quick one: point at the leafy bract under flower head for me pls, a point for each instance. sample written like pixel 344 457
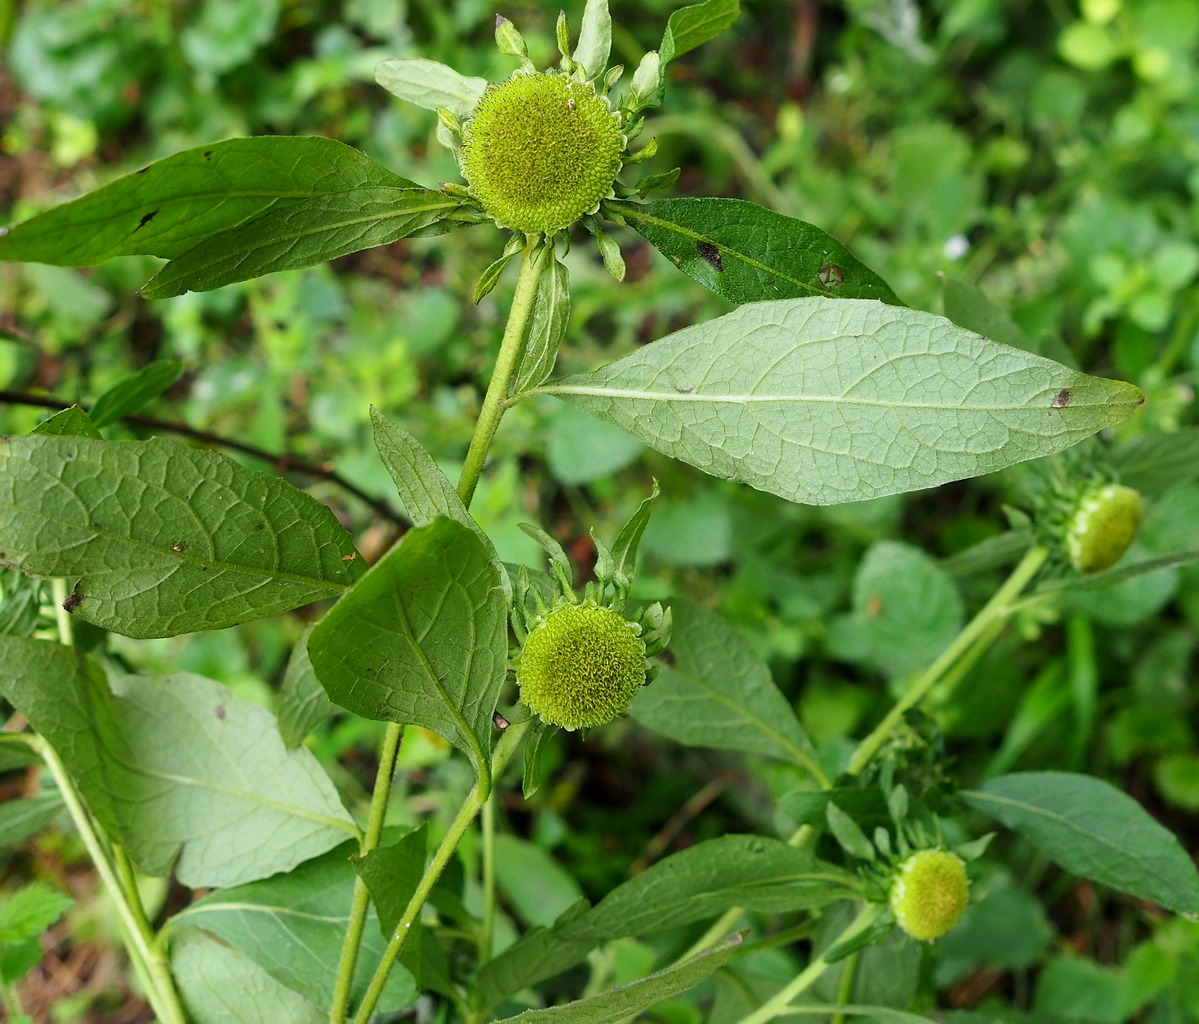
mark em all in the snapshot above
pixel 581 666
pixel 541 151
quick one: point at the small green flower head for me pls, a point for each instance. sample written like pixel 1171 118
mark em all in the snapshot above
pixel 929 892
pixel 1104 523
pixel 581 665
pixel 541 151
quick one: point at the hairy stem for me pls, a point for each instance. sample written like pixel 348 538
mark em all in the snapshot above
pixel 361 898
pixel 807 977
pixel 508 745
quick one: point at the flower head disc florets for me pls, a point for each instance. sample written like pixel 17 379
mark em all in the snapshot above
pixel 1104 523
pixel 929 893
pixel 541 151
pixel 581 666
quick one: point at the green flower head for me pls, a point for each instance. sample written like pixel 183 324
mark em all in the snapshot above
pixel 929 892
pixel 581 665
pixel 541 151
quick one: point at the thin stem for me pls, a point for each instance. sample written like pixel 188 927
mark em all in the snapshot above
pixel 488 926
pixel 995 610
pixel 508 745
pixel 494 402
pixel 361 899
pixel 807 977
pixel 845 989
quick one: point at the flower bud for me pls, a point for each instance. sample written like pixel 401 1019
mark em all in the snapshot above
pixel 581 666
pixel 541 151
pixel 929 893
pixel 1105 521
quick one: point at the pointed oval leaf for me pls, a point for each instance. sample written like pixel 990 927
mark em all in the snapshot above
pixel 177 767
pixel 422 639
pixel 430 85
pixel 168 207
pixel 750 254
pixel 135 392
pixel 693 26
pixel 547 323
pixel 1094 830
pixel 293 926
pixel 714 691
pixel 166 538
pixel 595 39
pixel 825 401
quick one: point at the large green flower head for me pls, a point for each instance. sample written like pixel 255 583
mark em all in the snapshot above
pixel 579 660
pixel 929 892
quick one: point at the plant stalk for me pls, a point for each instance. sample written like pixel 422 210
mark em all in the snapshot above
pixel 808 976
pixel 494 402
pixel 995 610
pixel 361 898
pixel 508 745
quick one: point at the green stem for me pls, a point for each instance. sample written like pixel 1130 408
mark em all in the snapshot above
pixel 845 989
pixel 361 898
pixel 508 745
pixel 808 976
pixel 488 927
pixel 495 401
pixel 995 610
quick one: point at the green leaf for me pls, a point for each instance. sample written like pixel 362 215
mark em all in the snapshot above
pixel 296 196
pixel 219 985
pixel 628 1000
pixel 430 85
pixel 19 958
pixel 166 538
pixel 293 926
pixel 422 639
pixel 73 422
pixel 595 39
pixel 541 953
pixel 536 886
pixel 301 235
pixel 825 401
pixel 135 392
pixel 749 254
pixel 881 1014
pixel 303 704
pixel 1093 830
pixel 177 767
pixel 30 910
pixel 547 322
pixel 391 874
pixel 1153 463
pixel 623 554
pixel 718 693
pixel 755 872
pixel 20 819
pixel 693 26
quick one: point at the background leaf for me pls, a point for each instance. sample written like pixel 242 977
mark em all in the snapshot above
pixel 20 819
pixel 749 254
pixel 824 401
pixel 166 538
pixel 626 1000
pixel 173 205
pixel 293 925
pixel 177 767
pixel 1092 829
pixel 303 704
pixel 133 393
pixel 714 691
pixel 693 26
pixel 30 910
pixel 219 985
pixel 422 639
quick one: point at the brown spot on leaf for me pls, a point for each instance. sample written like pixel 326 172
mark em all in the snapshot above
pixel 73 601
pixel 831 276
pixel 350 557
pixel 219 711
pixel 711 253
pixel 145 220
pixel 874 606
pixel 1061 399
pixel 179 547
pixel 499 721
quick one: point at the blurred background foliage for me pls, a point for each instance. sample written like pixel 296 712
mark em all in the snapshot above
pixel 1046 152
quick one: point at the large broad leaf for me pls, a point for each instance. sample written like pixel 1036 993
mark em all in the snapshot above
pixel 1092 829
pixel 231 211
pixel 629 1000
pixel 755 872
pixel 177 767
pixel 166 538
pixel 750 254
pixel 293 927
pixel 422 639
pixel 716 692
pixel 219 985
pixel 825 401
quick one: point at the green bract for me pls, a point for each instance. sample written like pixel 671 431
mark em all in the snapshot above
pixel 1104 523
pixel 929 893
pixel 541 151
pixel 581 666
